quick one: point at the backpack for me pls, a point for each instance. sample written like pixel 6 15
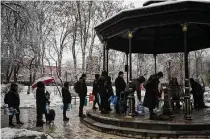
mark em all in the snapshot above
pixel 77 87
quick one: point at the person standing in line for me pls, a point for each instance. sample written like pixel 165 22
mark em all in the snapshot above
pixel 103 92
pixel 82 94
pixel 120 87
pixel 198 93
pixel 152 93
pixel 96 92
pixel 40 103
pixel 12 99
pixel 66 95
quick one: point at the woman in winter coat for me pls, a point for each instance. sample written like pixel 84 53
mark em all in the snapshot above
pixel 40 102
pixel 13 100
pixel 152 93
pixel 66 99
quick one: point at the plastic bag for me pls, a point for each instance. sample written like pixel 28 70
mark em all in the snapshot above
pixel 113 100
pixel 140 109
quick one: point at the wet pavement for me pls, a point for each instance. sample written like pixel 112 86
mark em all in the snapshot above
pixel 73 129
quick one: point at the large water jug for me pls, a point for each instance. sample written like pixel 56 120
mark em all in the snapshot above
pixel 140 109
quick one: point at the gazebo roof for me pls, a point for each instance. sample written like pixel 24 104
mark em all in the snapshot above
pixel 157 28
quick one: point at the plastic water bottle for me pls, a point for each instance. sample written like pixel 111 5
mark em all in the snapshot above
pixel 61 106
pixel 140 109
pixel 47 107
pixel 69 107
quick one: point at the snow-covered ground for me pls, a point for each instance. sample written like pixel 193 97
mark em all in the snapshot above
pixel 11 133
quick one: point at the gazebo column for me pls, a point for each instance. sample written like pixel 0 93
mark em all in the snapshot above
pixel 126 67
pixel 131 99
pixel 107 60
pixel 155 57
pixel 104 55
pixel 130 35
pixel 187 108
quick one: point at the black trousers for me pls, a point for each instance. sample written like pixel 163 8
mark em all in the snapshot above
pixel 198 101
pixel 17 116
pixel 104 104
pixel 39 115
pixel 81 105
pixel 65 107
pixel 96 100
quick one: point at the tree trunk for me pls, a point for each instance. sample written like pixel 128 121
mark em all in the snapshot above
pixel 9 74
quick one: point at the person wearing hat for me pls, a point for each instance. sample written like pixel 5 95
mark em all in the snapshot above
pixel 40 103
pixel 120 87
pixel 66 95
pixel 152 93
pixel 96 92
pixel 82 94
pixel 13 100
pixel 103 92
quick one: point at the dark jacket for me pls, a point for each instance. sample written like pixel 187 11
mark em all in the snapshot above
pixel 196 88
pixel 108 86
pixel 102 88
pixel 12 99
pixel 66 95
pixel 119 85
pixel 151 95
pixel 83 88
pixel 41 100
pixel 95 87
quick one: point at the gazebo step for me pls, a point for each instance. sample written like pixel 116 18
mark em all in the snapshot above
pixel 148 124
pixel 139 133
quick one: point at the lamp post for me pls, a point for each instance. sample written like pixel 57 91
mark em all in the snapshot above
pixel 131 99
pixel 187 108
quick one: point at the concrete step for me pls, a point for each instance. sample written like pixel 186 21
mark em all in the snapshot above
pixel 148 124
pixel 140 133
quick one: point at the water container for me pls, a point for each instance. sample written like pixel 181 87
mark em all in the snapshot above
pixel 47 107
pixel 140 109
pixel 61 106
pixel 69 107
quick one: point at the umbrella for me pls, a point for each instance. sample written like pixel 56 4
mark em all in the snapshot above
pixel 45 80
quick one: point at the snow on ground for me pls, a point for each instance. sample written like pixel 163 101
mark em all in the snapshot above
pixel 11 133
pixel 29 100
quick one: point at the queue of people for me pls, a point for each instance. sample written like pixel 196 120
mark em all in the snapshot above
pixel 102 91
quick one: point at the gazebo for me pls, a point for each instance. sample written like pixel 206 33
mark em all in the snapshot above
pixel 166 27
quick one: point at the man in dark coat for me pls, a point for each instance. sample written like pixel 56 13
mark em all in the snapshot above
pixel 82 94
pixel 40 103
pixel 13 100
pixel 120 87
pixel 197 92
pixel 96 92
pixel 152 93
pixel 66 95
pixel 103 92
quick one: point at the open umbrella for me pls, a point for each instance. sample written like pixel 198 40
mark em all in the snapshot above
pixel 45 80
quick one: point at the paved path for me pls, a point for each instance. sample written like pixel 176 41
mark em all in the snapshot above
pixel 73 129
